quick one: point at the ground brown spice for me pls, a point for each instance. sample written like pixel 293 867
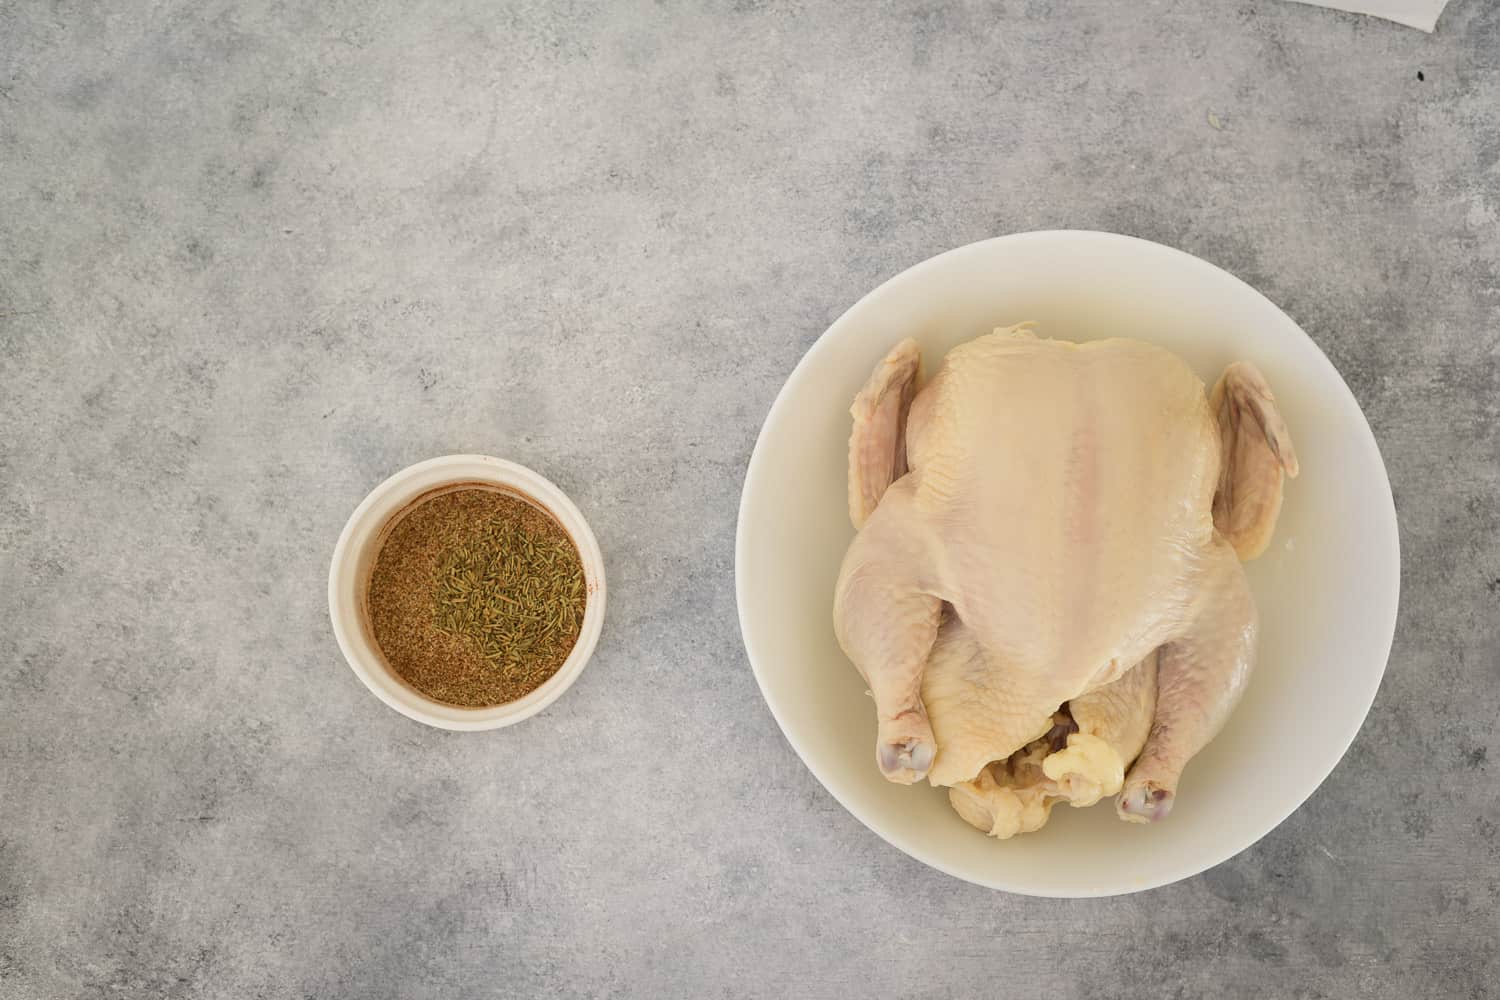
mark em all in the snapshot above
pixel 476 597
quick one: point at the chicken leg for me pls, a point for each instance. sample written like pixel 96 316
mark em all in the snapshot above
pixel 1200 677
pixel 887 623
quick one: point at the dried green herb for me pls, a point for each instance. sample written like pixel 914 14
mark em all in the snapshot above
pixel 476 597
pixel 513 594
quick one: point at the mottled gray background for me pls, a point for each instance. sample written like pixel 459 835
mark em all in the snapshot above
pixel 256 256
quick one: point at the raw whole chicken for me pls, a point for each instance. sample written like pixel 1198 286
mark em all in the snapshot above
pixel 1045 593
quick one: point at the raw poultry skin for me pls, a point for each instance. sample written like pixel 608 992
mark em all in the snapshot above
pixel 1040 524
pixel 1081 760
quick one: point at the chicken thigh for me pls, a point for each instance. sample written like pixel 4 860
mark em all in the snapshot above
pixel 1034 523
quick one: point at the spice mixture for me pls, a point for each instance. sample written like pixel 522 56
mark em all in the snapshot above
pixel 476 597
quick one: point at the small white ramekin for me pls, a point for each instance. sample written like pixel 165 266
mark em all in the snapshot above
pixel 354 557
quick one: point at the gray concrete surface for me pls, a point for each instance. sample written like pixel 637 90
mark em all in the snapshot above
pixel 255 256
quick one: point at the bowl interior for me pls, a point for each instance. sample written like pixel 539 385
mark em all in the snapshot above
pixel 366 531
pixel 1327 588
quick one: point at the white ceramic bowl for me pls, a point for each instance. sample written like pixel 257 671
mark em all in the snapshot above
pixel 354 557
pixel 1327 588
